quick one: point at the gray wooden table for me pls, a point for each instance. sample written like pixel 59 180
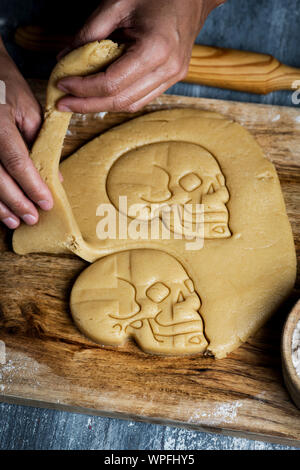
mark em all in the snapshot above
pixel 269 26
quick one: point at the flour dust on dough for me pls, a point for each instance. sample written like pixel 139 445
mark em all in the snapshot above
pixel 242 274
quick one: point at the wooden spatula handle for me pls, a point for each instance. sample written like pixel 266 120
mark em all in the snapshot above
pixel 239 70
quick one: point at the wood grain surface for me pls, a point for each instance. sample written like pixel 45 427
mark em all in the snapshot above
pixel 50 364
pixel 239 70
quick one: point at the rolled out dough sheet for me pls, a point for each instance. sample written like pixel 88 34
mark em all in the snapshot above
pixel 170 299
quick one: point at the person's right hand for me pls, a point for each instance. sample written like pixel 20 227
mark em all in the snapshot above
pixel 21 186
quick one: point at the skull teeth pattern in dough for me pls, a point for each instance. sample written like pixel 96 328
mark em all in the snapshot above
pixel 143 294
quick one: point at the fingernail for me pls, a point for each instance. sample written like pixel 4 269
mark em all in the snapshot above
pixel 45 205
pixel 29 219
pixel 10 222
pixel 63 107
pixel 61 87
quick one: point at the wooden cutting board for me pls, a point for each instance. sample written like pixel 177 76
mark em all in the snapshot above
pixel 50 364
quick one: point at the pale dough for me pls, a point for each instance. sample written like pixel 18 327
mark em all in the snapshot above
pixel 144 294
pixel 57 230
pixel 169 299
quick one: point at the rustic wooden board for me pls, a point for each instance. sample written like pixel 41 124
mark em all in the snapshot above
pixel 49 363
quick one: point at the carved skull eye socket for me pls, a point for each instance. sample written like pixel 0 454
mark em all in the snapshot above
pixel 190 182
pixel 158 292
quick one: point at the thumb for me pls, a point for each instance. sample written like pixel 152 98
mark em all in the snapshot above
pixel 103 21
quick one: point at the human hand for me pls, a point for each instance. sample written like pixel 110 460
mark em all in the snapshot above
pixel 160 35
pixel 21 186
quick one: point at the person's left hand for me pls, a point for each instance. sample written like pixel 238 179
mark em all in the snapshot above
pixel 161 34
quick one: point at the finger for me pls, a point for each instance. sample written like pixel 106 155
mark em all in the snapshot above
pixel 99 25
pixel 103 21
pixel 22 109
pixel 124 100
pixel 7 217
pixel 138 61
pixel 15 199
pixel 138 105
pixel 29 114
pixel 15 158
pixel 31 125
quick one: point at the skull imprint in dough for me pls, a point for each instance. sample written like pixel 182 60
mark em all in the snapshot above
pixel 144 294
pixel 172 173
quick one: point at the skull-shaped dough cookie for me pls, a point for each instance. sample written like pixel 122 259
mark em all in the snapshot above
pixel 144 294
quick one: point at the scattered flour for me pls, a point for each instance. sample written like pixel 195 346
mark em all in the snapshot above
pixel 82 117
pixel 276 118
pixel 297 119
pixel 223 412
pixel 22 372
pixel 22 366
pixel 296 348
pixel 100 115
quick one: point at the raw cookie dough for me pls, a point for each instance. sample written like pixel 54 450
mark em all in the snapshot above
pixel 57 231
pixel 247 265
pixel 241 275
pixel 144 294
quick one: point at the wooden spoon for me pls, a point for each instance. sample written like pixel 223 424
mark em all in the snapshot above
pixel 291 378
